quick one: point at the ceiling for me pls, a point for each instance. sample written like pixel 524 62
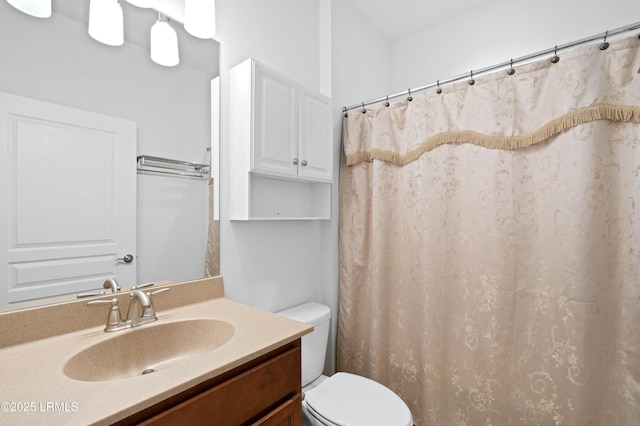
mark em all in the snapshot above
pixel 398 19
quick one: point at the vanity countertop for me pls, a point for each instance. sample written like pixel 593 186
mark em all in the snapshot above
pixel 35 389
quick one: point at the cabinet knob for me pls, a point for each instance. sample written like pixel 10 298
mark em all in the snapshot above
pixel 304 162
pixel 295 161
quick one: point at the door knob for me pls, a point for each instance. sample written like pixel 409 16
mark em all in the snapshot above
pixel 304 162
pixel 128 258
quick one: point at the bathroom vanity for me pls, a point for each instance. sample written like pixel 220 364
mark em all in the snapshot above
pixel 265 391
pixel 206 360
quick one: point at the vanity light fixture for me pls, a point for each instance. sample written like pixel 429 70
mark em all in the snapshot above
pixel 37 8
pixel 164 43
pixel 200 18
pixel 106 22
pixel 143 3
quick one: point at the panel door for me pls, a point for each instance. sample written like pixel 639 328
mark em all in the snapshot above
pixel 67 199
pixel 315 137
pixel 274 124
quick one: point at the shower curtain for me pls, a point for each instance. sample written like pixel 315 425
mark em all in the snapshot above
pixel 490 245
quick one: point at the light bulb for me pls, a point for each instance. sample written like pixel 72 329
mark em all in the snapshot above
pixel 106 22
pixel 142 3
pixel 200 18
pixel 164 43
pixel 37 8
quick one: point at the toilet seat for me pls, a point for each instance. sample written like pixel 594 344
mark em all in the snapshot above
pixel 349 400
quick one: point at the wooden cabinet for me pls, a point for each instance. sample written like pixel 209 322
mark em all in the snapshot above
pixel 265 391
pixel 281 146
pixel 288 414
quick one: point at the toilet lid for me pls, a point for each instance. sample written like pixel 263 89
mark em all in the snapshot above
pixel 349 400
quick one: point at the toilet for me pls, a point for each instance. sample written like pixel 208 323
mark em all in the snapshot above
pixel 343 399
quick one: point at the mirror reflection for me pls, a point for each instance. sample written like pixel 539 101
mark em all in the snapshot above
pixel 68 190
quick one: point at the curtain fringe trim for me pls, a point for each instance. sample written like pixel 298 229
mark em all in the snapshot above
pixel 559 125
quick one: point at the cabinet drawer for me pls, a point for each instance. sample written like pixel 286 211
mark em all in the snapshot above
pixel 242 399
pixel 288 414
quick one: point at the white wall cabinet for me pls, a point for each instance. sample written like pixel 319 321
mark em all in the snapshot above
pixel 280 147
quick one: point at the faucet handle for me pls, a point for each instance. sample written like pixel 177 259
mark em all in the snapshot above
pixel 114 320
pixel 138 287
pixel 90 294
pixel 161 290
pixel 113 302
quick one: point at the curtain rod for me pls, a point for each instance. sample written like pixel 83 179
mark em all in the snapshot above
pixel 501 65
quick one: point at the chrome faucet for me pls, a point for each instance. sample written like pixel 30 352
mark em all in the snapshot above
pixel 112 284
pixel 143 311
pixel 140 310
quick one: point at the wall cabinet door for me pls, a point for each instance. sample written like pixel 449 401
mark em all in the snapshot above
pixel 275 129
pixel 315 146
pixel 291 128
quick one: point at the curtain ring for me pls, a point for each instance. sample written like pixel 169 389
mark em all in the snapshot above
pixel 410 98
pixel 604 45
pixel 555 58
pixel 438 90
pixel 344 110
pixel 387 102
pixel 511 71
pixel 364 110
pixel 471 80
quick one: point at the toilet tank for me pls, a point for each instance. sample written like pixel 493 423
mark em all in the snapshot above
pixel 314 344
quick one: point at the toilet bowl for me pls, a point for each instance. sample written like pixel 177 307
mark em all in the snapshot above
pixel 343 399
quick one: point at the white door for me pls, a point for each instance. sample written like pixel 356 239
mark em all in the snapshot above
pixel 315 137
pixel 275 146
pixel 67 199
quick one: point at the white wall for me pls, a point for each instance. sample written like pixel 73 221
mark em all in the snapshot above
pixel 56 61
pixel 361 57
pixel 498 31
pixel 271 265
pixel 274 265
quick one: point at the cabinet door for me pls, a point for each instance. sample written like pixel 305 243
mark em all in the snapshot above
pixel 275 124
pixel 315 137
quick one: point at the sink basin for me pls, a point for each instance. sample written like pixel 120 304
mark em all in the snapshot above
pixel 147 349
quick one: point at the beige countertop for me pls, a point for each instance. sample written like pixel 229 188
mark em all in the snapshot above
pixel 35 389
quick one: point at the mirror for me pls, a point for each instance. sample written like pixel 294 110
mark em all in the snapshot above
pixel 56 61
